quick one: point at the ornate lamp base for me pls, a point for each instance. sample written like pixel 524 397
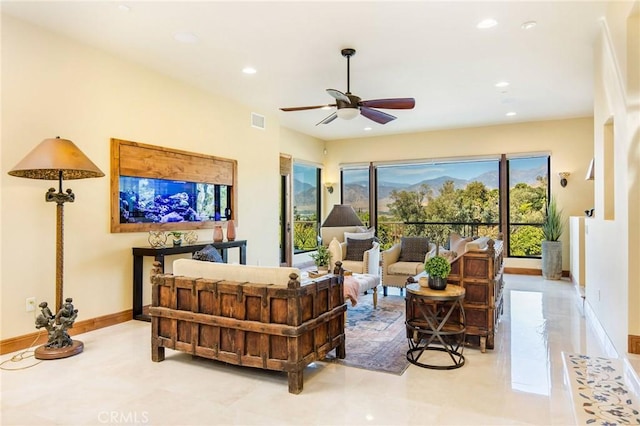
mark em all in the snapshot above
pixel 42 352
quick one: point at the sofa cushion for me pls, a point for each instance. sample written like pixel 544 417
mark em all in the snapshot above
pixel 209 254
pixel 356 248
pixel 457 243
pixel 413 249
pixel 241 273
pixel 407 269
pixel 477 244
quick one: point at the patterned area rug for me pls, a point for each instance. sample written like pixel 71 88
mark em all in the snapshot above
pixel 376 338
pixel 599 391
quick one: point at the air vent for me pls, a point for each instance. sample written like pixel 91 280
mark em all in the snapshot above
pixel 257 121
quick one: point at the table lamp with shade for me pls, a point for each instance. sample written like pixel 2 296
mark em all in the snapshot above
pixel 57 159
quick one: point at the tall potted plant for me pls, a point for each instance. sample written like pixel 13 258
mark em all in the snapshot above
pixel 552 228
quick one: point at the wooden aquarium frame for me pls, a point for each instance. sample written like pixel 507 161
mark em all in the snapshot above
pixel 156 162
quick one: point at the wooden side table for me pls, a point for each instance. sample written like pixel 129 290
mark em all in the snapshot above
pixel 435 321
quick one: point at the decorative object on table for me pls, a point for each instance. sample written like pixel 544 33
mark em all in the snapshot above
pixel 177 237
pixel 217 234
pixel 552 229
pixel 208 254
pixel 190 237
pixel 157 238
pixel 322 258
pixel 438 269
pixel 318 274
pixel 58 159
pixel 231 230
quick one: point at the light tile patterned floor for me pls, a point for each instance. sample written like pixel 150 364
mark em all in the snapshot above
pixel 599 391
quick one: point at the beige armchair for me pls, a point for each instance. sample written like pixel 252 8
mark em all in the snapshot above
pixel 395 272
pixel 370 263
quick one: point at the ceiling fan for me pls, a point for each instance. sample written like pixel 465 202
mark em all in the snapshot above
pixel 349 106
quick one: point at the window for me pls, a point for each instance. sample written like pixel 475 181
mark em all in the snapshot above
pixel 306 207
pixel 435 199
pixel 528 193
pixel 457 195
pixel 355 191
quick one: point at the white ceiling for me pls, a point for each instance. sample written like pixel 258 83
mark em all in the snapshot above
pixel 428 50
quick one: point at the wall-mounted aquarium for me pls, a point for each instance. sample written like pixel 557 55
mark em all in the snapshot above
pixel 145 200
pixel 157 188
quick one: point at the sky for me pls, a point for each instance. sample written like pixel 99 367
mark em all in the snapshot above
pixel 412 174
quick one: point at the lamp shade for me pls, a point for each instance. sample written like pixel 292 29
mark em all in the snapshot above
pixel 53 156
pixel 348 113
pixel 342 215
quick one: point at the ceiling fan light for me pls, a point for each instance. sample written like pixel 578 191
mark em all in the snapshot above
pixel 348 113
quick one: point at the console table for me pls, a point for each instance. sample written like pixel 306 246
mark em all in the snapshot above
pixel 160 252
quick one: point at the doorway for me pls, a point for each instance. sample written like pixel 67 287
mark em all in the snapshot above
pixel 286 235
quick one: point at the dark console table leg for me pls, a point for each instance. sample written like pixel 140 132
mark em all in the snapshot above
pixel 137 287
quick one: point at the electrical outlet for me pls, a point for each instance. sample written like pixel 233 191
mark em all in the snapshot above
pixel 31 304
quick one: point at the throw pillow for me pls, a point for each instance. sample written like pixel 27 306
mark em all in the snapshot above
pixel 413 249
pixel 208 254
pixel 356 248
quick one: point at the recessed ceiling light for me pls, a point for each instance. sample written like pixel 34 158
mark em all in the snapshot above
pixel 528 25
pixel 124 8
pixel 511 114
pixel 502 84
pixel 184 37
pixel 249 70
pixel 487 23
pixel 326 107
pixel 366 129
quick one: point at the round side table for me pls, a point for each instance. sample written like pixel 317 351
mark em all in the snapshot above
pixel 435 321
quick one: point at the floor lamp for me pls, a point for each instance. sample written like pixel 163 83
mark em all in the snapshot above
pixel 57 159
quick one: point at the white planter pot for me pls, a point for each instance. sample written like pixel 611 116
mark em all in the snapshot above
pixel 552 260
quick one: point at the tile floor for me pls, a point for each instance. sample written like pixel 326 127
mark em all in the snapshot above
pixel 522 381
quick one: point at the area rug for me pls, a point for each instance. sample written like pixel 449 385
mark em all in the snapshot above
pixel 599 391
pixel 376 338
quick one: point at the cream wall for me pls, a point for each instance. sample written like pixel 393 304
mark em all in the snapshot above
pixel 52 86
pixel 570 143
pixel 612 247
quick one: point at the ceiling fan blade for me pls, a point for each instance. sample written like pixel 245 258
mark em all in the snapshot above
pixel 306 107
pixel 391 103
pixel 338 95
pixel 377 116
pixel 329 119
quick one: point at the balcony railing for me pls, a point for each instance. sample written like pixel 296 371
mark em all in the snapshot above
pixel 305 235
pixel 390 233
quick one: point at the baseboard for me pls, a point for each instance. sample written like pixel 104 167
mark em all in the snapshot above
pixel 40 337
pixel 529 271
pixel 633 344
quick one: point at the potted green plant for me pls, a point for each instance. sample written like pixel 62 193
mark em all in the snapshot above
pixel 552 229
pixel 438 268
pixel 322 258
